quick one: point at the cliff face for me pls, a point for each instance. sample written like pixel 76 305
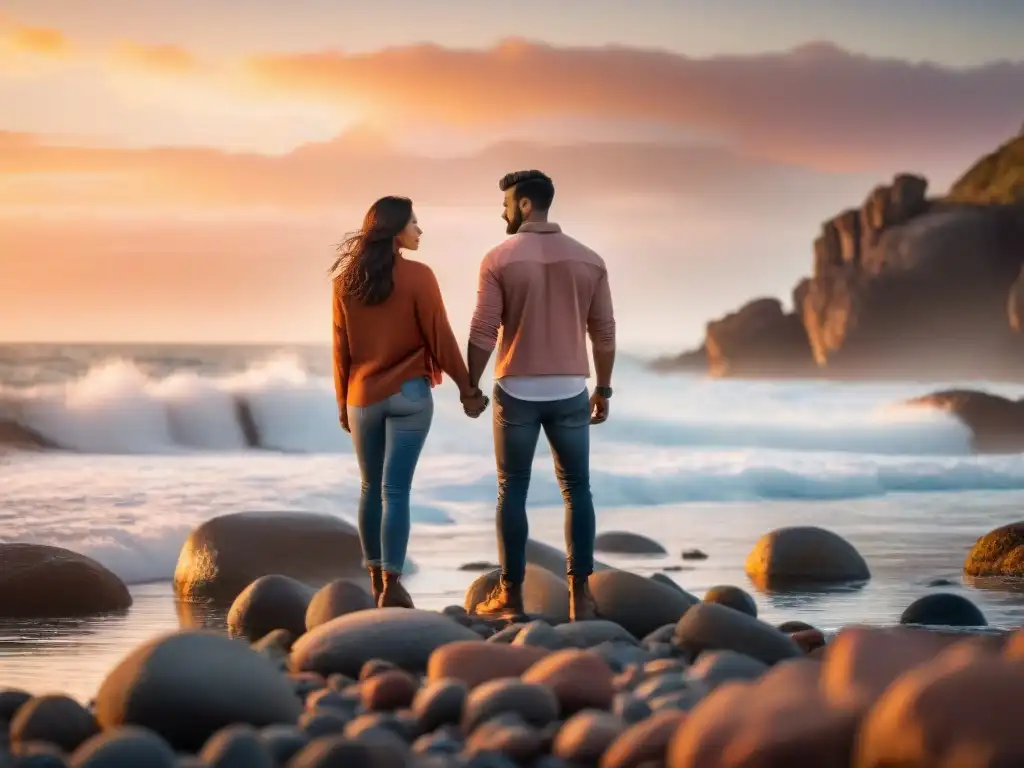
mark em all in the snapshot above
pixel 902 286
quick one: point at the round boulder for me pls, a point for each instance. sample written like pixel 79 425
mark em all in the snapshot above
pixel 124 747
pixel 732 597
pixel 186 686
pixel 804 555
pixel 710 627
pixel 943 609
pixel 54 719
pixel 625 543
pixel 638 604
pixel 998 553
pixel 224 555
pixel 38 581
pixel 551 559
pixel 405 637
pixel 544 593
pixel 269 603
pixel 336 599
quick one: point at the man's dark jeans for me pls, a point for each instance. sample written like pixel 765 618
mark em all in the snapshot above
pixel 517 426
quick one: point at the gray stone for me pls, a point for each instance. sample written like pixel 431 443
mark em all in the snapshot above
pixel 401 636
pixel 187 685
pixel 626 543
pixel 716 667
pixel 338 598
pixel 710 627
pixel 124 747
pixel 638 604
pixel 271 602
pixel 537 705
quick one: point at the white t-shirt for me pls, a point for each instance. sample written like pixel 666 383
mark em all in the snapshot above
pixel 543 388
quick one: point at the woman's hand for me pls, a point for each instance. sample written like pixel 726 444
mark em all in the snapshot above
pixel 474 403
pixel 343 418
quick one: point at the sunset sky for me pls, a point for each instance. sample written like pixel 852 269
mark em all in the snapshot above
pixel 181 172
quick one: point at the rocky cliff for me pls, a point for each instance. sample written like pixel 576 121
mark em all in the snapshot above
pixel 903 286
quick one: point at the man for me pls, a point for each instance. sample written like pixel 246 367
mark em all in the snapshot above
pixel 543 292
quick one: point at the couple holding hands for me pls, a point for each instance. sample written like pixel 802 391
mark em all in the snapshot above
pixel 541 293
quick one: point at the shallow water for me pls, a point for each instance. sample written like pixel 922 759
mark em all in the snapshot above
pixel 907 543
pixel 156 449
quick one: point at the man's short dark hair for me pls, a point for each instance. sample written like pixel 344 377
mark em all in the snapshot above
pixel 535 186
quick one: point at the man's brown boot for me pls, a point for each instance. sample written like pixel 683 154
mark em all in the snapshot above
pixel 582 606
pixel 376 582
pixel 394 594
pixel 504 601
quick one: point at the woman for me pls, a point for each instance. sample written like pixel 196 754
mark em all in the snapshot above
pixel 392 340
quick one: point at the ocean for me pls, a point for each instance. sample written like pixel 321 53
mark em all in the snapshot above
pixel 144 443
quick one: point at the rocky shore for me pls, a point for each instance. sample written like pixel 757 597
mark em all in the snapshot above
pixel 310 675
pixel 906 286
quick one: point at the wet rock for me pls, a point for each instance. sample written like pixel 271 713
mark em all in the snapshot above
pixel 224 555
pixel 809 640
pixel 507 634
pixel 625 543
pixel 334 751
pixel 475 663
pixel 859 663
pixel 637 604
pixel 269 603
pixel 439 703
pixel 630 708
pixel 732 597
pixel 338 598
pixel 275 645
pixel 124 747
pixel 401 636
pixel 962 706
pixel 644 743
pixel 719 667
pixel 803 555
pixel 694 554
pixel 539 633
pixel 789 627
pixel 709 627
pixel 389 691
pixel 585 736
pixel 516 740
pixel 589 634
pixel 283 742
pixel 318 723
pixel 39 581
pixel 579 679
pixel 237 746
pixel 998 553
pixel 185 686
pixel 545 594
pixel 54 719
pixel 535 704
pixel 782 719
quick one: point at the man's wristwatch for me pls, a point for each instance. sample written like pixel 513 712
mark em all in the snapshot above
pixel 605 392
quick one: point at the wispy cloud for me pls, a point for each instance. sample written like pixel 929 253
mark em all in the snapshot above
pixel 816 105
pixel 171 60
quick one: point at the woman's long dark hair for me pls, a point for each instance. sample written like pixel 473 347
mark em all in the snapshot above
pixel 366 259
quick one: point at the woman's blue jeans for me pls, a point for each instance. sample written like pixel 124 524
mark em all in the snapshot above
pixel 388 438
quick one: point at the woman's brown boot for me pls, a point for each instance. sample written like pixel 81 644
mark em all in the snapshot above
pixel 376 582
pixel 394 594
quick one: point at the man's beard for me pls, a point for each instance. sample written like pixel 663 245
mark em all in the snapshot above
pixel 517 221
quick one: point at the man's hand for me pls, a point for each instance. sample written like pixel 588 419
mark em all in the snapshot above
pixel 598 409
pixel 343 418
pixel 475 404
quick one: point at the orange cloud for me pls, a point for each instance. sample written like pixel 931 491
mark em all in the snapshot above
pixel 159 59
pixel 817 103
pixel 37 41
pixel 357 167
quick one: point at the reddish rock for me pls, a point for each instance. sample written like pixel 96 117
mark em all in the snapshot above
pixel 644 742
pixel 474 663
pixel 861 662
pixel 781 720
pixel 390 690
pixel 808 639
pixel 580 679
pixel 963 708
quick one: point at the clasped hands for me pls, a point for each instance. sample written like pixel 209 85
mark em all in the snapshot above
pixel 475 403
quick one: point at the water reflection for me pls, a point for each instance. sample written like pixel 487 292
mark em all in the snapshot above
pixel 19 635
pixel 201 615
